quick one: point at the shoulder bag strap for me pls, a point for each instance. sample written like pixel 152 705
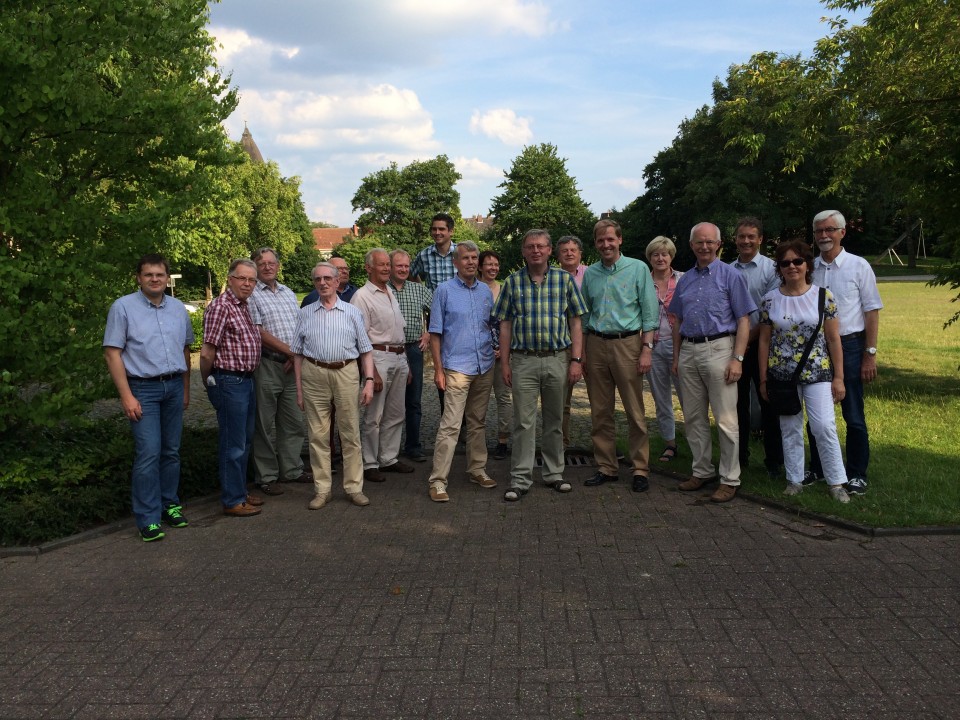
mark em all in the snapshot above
pixel 821 302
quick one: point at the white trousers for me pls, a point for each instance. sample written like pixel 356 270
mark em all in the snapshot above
pixel 818 402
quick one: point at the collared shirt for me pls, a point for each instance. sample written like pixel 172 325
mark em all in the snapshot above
pixel 433 267
pixel 228 326
pixel 313 296
pixel 151 337
pixel 462 314
pixel 578 275
pixel 381 314
pixel 665 322
pixel 539 313
pixel 414 300
pixel 619 298
pixel 761 274
pixel 275 310
pixel 330 335
pixel 710 300
pixel 851 280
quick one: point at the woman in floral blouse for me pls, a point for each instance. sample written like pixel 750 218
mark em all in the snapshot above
pixel 788 316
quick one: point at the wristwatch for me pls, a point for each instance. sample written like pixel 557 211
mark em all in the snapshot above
pixel 367 378
pixel 871 351
pixel 577 360
pixel 738 357
pixel 649 345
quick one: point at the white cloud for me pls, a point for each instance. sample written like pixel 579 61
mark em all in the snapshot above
pixel 631 184
pixel 513 16
pixel 502 124
pixel 232 44
pixel 475 169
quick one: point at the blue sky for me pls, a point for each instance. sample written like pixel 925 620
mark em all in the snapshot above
pixel 333 90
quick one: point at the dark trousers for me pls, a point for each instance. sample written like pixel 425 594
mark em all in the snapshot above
pixel 413 397
pixel 769 420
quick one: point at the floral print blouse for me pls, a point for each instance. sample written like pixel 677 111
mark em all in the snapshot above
pixel 793 319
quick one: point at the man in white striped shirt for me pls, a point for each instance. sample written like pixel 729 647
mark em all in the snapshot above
pixel 327 341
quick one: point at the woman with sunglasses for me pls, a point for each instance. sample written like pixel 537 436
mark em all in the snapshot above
pixel 788 316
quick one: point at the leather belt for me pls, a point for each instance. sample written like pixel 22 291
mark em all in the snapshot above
pixel 860 334
pixel 398 349
pixel 538 353
pixel 235 373
pixel 328 366
pixel 155 378
pixel 275 356
pixel 613 336
pixel 707 338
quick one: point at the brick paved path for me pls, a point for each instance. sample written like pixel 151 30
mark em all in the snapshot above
pixel 600 604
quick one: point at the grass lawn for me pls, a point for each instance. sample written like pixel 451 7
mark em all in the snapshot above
pixel 913 414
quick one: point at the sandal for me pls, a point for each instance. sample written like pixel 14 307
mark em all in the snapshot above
pixel 668 454
pixel 561 486
pixel 514 494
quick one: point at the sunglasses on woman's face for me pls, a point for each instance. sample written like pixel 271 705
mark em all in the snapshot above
pixel 796 262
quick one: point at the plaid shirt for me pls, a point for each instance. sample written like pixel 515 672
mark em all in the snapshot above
pixel 433 267
pixel 227 325
pixel 275 310
pixel 540 313
pixel 414 300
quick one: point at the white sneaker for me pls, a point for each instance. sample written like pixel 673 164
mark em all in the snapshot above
pixel 839 494
pixel 793 489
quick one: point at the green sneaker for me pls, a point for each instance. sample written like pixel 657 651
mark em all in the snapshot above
pixel 173 516
pixel 151 533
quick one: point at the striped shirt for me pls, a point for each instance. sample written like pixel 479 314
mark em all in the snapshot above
pixel 275 310
pixel 432 267
pixel 381 314
pixel 414 300
pixel 539 313
pixel 330 335
pixel 227 325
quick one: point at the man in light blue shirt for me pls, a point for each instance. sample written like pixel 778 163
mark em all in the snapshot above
pixel 761 274
pixel 461 342
pixel 147 348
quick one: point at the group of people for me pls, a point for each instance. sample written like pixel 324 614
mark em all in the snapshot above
pixel 277 372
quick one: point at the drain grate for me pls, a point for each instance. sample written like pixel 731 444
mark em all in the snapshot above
pixel 570 460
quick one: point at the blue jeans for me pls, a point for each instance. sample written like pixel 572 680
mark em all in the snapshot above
pixel 858 439
pixel 412 399
pixel 234 400
pixel 156 442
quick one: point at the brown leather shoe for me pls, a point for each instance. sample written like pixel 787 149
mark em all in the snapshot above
pixel 373 475
pixel 242 510
pixel 724 493
pixel 483 480
pixel 397 467
pixel 254 500
pixel 304 477
pixel 271 489
pixel 694 483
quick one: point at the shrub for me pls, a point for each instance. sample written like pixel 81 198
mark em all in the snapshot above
pixel 57 482
pixel 196 320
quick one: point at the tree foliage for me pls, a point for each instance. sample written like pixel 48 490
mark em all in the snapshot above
pixel 398 203
pixel 110 117
pixel 886 92
pixel 538 192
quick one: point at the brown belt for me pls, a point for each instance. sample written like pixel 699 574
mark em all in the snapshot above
pixel 398 349
pixel 328 366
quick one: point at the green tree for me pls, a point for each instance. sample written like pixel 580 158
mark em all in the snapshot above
pixel 398 203
pixel 538 192
pixel 110 118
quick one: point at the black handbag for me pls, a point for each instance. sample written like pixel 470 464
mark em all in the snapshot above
pixel 784 395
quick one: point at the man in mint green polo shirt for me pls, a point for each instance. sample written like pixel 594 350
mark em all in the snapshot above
pixel 622 314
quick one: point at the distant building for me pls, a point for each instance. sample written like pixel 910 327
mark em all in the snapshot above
pixel 326 240
pixel 480 223
pixel 250 146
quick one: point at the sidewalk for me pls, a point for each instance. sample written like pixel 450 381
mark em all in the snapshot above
pixel 601 603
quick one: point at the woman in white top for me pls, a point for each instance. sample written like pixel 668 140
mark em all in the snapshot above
pixel 788 316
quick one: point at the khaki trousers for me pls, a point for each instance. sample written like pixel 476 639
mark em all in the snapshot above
pixel 322 389
pixel 466 397
pixel 612 366
pixel 702 367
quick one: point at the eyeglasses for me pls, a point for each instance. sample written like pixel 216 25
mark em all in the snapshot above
pixel 796 262
pixel 244 280
pixel 326 278
pixel 826 230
